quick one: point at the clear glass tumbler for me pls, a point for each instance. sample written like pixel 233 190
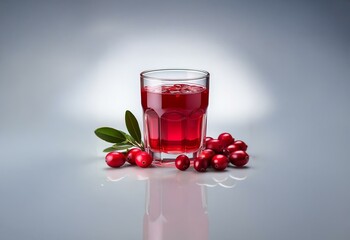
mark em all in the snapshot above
pixel 174 103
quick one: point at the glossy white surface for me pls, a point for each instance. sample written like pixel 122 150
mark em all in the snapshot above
pixel 280 81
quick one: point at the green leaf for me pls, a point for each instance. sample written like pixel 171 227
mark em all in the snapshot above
pixel 118 146
pixel 110 135
pixel 128 138
pixel 121 147
pixel 109 149
pixel 133 126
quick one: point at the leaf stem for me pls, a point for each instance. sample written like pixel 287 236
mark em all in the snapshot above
pixel 136 144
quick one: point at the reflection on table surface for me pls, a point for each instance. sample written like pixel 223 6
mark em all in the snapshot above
pixel 176 202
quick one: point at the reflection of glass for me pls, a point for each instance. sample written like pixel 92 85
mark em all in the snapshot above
pixel 174 102
pixel 175 211
pixel 176 202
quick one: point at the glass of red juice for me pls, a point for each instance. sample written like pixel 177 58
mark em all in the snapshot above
pixel 174 103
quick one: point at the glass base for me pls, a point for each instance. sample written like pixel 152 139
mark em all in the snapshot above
pixel 161 158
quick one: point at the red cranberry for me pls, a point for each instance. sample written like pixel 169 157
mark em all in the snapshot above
pixel 130 157
pixel 200 164
pixel 226 138
pixel 207 139
pixel 241 145
pixel 207 154
pixel 143 159
pixel 215 145
pixel 239 158
pixel 182 162
pixel 115 159
pixel 219 162
pixel 231 148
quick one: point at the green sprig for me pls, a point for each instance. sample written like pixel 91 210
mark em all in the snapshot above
pixel 122 141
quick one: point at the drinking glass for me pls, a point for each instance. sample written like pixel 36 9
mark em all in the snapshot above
pixel 174 103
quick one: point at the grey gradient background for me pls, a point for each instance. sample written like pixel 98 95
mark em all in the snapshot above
pixel 279 80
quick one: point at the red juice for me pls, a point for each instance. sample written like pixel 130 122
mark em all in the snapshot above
pixel 174 117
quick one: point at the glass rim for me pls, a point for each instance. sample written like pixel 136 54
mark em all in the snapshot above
pixel 205 74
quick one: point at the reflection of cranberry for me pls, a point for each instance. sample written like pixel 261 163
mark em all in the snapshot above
pixel 182 162
pixel 239 158
pixel 200 164
pixel 216 145
pixel 219 162
pixel 226 138
pixel 131 155
pixel 143 159
pixel 241 145
pixel 115 159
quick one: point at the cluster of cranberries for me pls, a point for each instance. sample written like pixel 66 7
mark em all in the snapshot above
pixel 218 153
pixel 135 156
